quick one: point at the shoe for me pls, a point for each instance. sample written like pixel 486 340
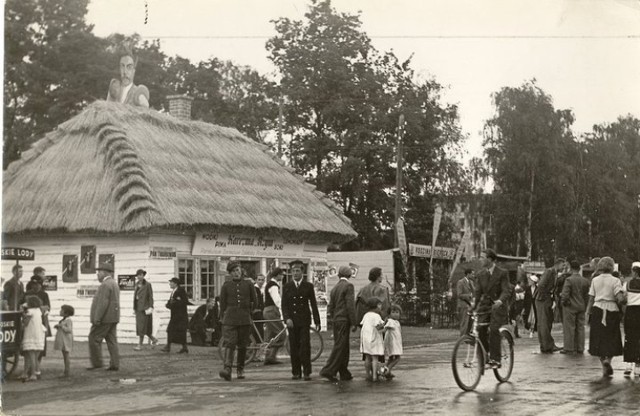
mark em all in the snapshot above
pixel 38 375
pixel 137 348
pixel 389 376
pixel 272 362
pixel 32 378
pixel 93 368
pixel 154 342
pixel 307 377
pixel 607 370
pixel 563 351
pixel 296 377
pixel 627 373
pixel 556 348
pixel 240 373
pixel 580 352
pixel 225 374
pixel 346 378
pixel 329 377
pixel 492 364
pixel 112 368
pixel 183 351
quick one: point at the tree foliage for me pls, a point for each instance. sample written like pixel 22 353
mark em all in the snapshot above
pixel 343 99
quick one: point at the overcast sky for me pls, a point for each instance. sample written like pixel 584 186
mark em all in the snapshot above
pixel 584 53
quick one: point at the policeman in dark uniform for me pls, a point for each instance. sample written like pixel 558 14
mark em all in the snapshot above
pixel 237 300
pixel 298 303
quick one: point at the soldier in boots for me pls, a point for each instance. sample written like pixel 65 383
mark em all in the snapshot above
pixel 237 300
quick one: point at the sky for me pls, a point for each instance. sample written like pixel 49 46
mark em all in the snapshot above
pixel 584 53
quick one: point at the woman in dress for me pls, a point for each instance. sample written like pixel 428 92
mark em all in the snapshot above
pixel 632 323
pixel 179 321
pixel 604 316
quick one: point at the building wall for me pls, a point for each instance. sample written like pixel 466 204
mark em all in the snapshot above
pixel 131 252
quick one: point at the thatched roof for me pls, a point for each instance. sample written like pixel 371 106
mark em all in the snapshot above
pixel 116 168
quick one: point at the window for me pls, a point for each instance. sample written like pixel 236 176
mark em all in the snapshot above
pixel 207 278
pixel 186 275
pixel 198 277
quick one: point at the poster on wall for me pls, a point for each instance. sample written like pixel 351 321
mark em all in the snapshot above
pixel 50 283
pixel 127 282
pixel 319 271
pixel 70 268
pixel 107 259
pixel 87 259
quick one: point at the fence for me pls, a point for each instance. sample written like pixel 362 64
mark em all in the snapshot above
pixel 417 312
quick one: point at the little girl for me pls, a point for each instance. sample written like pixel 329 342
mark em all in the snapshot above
pixel 393 339
pixel 32 338
pixel 371 343
pixel 64 336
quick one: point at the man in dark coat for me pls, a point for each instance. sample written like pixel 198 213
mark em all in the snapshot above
pixel 465 290
pixel 179 321
pixel 342 311
pixel 298 304
pixel 574 298
pixel 105 315
pixel 237 300
pixel 544 307
pixel 492 293
pixel 143 308
pixel 257 312
pixel 13 291
pixel 205 317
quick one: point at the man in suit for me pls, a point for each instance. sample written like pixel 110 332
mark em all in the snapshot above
pixel 342 311
pixel 298 304
pixel 257 312
pixel 105 315
pixel 574 298
pixel 179 320
pixel 492 293
pixel 13 291
pixel 465 290
pixel 143 308
pixel 544 307
pixel 237 300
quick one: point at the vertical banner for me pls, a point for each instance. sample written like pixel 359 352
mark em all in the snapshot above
pixel 461 248
pixel 87 259
pixel 437 218
pixel 70 268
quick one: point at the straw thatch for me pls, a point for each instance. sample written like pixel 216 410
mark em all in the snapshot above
pixel 116 168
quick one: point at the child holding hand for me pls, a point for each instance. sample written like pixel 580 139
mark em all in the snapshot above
pixel 33 338
pixel 64 337
pixel 371 343
pixel 393 339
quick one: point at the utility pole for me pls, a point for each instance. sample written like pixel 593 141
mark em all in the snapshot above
pixel 399 161
pixel 280 123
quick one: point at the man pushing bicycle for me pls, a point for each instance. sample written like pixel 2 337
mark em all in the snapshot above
pixel 492 293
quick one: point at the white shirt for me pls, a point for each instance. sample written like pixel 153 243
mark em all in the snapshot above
pixel 275 296
pixel 633 298
pixel 125 92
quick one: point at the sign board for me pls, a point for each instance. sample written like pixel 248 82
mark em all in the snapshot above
pixel 419 250
pixel 533 266
pixel 10 323
pixel 87 291
pixel 162 253
pixel 127 282
pixel 17 253
pixel 50 283
pixel 213 243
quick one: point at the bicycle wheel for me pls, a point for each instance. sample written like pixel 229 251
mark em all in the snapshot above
pixel 9 363
pixel 506 357
pixel 316 341
pixel 467 362
pixel 251 351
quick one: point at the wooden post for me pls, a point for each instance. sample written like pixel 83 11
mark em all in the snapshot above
pixel 280 123
pixel 399 161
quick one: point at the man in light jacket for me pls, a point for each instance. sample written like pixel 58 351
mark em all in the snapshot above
pixel 105 315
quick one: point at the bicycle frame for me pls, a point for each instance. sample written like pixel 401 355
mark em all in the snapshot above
pixel 262 343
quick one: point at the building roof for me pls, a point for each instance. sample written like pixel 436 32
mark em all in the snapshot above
pixel 116 168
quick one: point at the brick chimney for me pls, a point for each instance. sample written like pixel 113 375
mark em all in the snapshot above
pixel 180 106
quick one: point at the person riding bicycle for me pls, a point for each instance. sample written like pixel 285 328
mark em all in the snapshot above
pixel 492 292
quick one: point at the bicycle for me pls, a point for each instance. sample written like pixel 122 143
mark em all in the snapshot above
pixel 469 357
pixel 258 348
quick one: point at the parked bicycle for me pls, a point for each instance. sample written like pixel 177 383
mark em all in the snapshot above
pixel 257 349
pixel 470 358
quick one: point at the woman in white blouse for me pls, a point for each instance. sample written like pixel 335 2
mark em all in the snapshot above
pixel 632 322
pixel 604 316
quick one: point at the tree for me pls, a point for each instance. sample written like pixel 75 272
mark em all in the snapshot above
pixel 528 147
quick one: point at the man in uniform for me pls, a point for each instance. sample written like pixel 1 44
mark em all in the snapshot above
pixel 493 291
pixel 105 315
pixel 123 90
pixel 342 311
pixel 237 300
pixel 298 303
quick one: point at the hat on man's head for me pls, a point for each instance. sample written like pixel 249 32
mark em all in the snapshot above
pixel 141 272
pixel 296 263
pixel 232 265
pixel 175 280
pixel 344 271
pixel 107 267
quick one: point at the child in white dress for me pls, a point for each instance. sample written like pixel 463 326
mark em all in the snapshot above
pixel 371 342
pixel 392 340
pixel 64 337
pixel 33 338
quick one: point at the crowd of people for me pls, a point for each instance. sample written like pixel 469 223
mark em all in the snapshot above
pixel 566 292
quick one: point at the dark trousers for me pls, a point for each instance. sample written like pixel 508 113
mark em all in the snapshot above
pixel 300 346
pixel 545 323
pixel 573 330
pixel 339 359
pixel 494 339
pixel 632 334
pixel 106 331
